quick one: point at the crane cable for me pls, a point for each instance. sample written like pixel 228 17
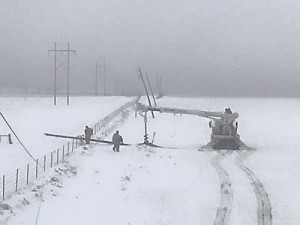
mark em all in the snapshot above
pixel 31 156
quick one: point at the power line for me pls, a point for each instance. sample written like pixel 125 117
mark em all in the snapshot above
pixel 40 205
pixel 31 156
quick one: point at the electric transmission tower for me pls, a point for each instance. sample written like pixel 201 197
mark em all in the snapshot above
pixel 57 64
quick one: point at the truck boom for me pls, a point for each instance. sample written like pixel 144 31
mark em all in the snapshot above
pixel 224 127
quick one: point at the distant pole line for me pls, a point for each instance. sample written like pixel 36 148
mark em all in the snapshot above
pixel 104 65
pixel 157 81
pixel 55 73
pixel 96 79
pixel 104 79
pixel 122 86
pixel 62 51
pixel 151 90
pixel 159 87
pixel 68 76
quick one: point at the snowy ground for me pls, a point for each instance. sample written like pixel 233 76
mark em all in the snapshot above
pixel 31 117
pixel 179 185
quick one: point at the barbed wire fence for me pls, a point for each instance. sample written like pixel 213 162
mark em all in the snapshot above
pixel 16 180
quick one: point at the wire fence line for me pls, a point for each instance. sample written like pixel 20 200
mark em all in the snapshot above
pixel 14 181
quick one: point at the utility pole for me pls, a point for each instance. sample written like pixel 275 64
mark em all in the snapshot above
pixel 56 60
pixel 145 87
pixel 151 90
pixel 68 76
pixel 104 65
pixel 96 87
pixel 159 86
pixel 55 73
pixel 122 86
pixel 96 79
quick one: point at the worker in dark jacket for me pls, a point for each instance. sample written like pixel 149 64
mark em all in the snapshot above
pixel 117 140
pixel 88 132
pixel 228 111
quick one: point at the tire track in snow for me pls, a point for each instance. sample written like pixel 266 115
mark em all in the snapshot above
pixel 264 208
pixel 224 210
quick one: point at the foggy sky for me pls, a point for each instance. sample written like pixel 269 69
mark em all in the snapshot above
pixel 199 47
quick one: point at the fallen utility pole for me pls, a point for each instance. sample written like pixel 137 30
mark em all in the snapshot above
pixel 81 138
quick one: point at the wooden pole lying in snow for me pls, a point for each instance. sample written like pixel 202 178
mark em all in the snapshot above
pixel 82 138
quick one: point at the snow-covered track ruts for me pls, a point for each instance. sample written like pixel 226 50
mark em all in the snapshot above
pixel 264 207
pixel 224 210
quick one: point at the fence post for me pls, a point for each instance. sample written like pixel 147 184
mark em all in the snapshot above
pixel 3 187
pixel 9 139
pixel 73 145
pixel 57 156
pixel 68 148
pixel 51 160
pixel 27 174
pixel 44 163
pixel 76 142
pixel 36 168
pixel 63 153
pixel 17 178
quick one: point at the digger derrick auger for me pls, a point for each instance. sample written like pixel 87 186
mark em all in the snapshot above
pixel 223 124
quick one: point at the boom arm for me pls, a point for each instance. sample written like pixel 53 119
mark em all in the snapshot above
pixel 223 117
pixel 223 130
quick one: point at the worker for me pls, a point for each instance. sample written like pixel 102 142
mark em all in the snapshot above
pixel 88 132
pixel 117 140
pixel 228 111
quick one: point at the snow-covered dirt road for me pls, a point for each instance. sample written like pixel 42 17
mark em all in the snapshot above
pixel 135 186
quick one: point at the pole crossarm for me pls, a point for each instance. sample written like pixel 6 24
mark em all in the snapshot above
pixel 62 51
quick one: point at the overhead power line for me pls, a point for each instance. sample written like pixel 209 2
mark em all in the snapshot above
pixel 31 156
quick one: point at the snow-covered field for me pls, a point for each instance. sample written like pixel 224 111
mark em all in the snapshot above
pixel 174 185
pixel 31 117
